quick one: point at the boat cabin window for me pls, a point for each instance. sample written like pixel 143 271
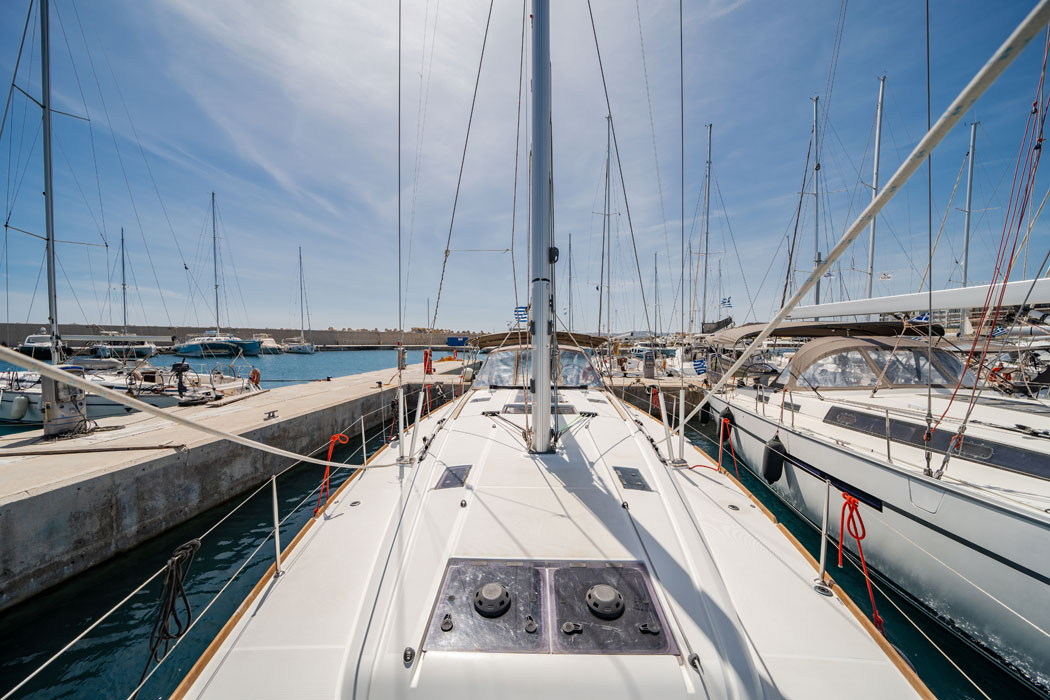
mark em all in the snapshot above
pixel 38 339
pixel 909 366
pixel 844 369
pixel 509 367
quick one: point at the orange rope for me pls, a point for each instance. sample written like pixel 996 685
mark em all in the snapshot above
pixel 727 426
pixel 325 492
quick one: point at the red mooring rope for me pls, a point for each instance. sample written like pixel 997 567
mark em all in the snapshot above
pixel 323 494
pixel 854 524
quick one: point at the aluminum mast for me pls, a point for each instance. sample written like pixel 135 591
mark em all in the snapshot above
pixel 875 182
pixel 215 262
pixel 542 254
pixel 123 280
pixel 49 205
pixel 816 199
pixel 707 228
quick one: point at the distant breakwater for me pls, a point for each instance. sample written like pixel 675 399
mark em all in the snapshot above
pixel 12 334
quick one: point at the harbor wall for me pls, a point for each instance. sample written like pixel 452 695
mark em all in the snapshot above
pixel 14 333
pixel 50 534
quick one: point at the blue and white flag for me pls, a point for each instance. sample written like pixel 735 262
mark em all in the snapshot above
pixel 727 302
pixel 998 331
pixel 521 314
pixel 921 318
pixel 700 366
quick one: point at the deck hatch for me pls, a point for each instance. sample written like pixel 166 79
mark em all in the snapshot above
pixel 632 478
pixel 453 477
pixel 550 609
pixel 520 408
pixel 995 454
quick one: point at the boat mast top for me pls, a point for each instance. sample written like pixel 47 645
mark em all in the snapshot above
pixel 215 261
pixel 543 255
pixel 49 204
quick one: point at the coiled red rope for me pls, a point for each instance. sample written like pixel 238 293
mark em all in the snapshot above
pixel 854 524
pixel 323 494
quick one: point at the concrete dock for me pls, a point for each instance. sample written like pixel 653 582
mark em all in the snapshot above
pixel 66 505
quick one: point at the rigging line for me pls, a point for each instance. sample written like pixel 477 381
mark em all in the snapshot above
pixel 233 263
pixel 462 163
pixel 944 220
pixel 833 67
pixel 25 171
pixel 124 172
pixel 138 142
pixel 400 279
pixel 91 128
pixel 80 189
pixel 732 239
pixel 25 116
pixel 423 103
pixel 652 128
pixel 91 131
pixel 619 166
pixel 44 238
pixel 36 286
pixel 18 60
pixel 929 251
pixel 72 291
pixel 798 221
pixel 517 151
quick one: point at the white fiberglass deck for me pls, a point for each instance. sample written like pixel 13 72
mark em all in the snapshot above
pixel 360 585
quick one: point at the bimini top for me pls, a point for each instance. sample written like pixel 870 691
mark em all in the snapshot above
pixel 817 329
pixel 495 340
pixel 870 363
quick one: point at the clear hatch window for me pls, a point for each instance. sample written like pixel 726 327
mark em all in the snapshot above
pixel 510 368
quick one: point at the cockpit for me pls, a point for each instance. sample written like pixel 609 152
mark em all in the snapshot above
pixel 510 368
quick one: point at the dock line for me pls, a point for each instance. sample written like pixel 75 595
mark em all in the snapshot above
pixel 82 450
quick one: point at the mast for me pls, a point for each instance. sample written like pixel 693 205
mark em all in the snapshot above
pixel 49 205
pixel 966 222
pixel 656 296
pixel 875 182
pixel 605 226
pixel 969 201
pixel 123 280
pixel 816 199
pixel 302 313
pixel 707 228
pixel 609 230
pixel 215 261
pixel 542 253
pixel 570 282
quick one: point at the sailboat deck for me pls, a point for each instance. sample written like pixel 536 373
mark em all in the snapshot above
pixel 360 586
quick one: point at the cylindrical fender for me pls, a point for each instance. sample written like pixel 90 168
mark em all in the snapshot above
pixel 19 407
pixel 773 460
pixel 726 432
pixel 705 414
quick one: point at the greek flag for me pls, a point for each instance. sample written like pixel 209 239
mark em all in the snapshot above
pixel 727 302
pixel 998 331
pixel 921 318
pixel 700 366
pixel 521 314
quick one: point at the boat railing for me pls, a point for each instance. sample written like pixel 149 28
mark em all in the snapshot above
pixel 387 412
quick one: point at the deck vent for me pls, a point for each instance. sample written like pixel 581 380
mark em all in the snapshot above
pixel 605 601
pixel 492 599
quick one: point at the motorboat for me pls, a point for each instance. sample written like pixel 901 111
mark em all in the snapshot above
pixel 267 345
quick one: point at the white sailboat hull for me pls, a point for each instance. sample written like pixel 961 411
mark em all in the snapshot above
pixel 953 552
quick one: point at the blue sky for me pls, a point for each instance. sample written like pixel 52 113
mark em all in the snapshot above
pixel 288 111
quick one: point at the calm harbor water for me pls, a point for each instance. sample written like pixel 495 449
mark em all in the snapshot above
pixel 109 662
